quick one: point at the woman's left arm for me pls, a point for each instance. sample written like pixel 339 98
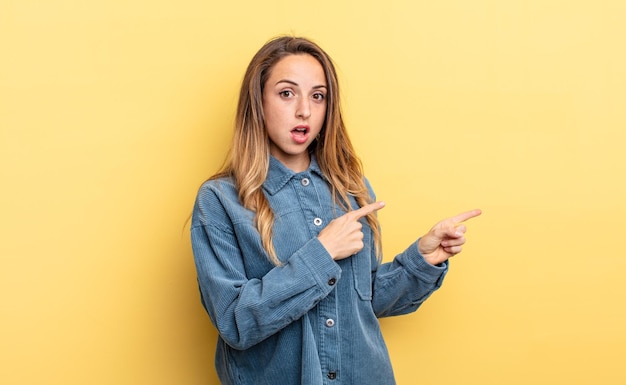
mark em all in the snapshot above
pixel 401 286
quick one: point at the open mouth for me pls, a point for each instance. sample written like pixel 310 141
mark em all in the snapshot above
pixel 300 134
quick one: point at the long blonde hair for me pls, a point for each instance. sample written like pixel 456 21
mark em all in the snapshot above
pixel 248 158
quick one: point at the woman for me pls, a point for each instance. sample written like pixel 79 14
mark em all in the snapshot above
pixel 287 243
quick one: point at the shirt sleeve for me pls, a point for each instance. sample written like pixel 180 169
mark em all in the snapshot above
pixel 401 286
pixel 247 311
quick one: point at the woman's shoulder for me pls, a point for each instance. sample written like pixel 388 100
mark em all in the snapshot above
pixel 217 202
pixel 218 183
pixel 369 187
pixel 220 188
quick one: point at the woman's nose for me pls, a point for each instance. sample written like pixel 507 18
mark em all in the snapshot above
pixel 303 110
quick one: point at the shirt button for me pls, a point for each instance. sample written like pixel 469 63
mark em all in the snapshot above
pixel 305 181
pixel 330 322
pixel 332 281
pixel 317 221
pixel 332 375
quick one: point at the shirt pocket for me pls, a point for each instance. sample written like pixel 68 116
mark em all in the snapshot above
pixel 362 267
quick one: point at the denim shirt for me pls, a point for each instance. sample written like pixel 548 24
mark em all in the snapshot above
pixel 313 320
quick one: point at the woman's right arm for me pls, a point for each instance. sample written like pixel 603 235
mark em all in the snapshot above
pixel 246 310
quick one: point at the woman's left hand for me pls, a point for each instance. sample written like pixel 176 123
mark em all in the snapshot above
pixel 446 238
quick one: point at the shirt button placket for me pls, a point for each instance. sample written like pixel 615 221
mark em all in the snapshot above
pixel 330 353
pixel 328 306
pixel 305 182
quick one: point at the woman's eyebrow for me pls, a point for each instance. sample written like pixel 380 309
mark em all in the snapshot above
pixel 297 85
pixel 287 81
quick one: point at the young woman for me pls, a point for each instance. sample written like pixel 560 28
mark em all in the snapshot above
pixel 286 240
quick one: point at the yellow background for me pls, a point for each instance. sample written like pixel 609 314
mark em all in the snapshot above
pixel 113 112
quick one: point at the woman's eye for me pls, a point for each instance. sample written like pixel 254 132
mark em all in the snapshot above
pixel 286 93
pixel 319 96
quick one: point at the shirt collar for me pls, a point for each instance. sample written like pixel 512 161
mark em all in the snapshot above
pixel 278 174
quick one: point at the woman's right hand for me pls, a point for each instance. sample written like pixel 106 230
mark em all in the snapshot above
pixel 343 236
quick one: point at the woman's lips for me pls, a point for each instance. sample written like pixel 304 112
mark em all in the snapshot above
pixel 300 134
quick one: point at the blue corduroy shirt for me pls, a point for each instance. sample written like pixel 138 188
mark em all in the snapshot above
pixel 313 320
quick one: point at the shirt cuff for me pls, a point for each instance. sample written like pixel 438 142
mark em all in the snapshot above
pixel 418 266
pixel 321 265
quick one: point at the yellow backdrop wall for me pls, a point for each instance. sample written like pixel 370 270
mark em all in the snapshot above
pixel 113 112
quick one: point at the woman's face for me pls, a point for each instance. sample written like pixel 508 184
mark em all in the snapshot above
pixel 294 104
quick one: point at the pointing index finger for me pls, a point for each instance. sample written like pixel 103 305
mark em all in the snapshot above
pixel 367 209
pixel 458 219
